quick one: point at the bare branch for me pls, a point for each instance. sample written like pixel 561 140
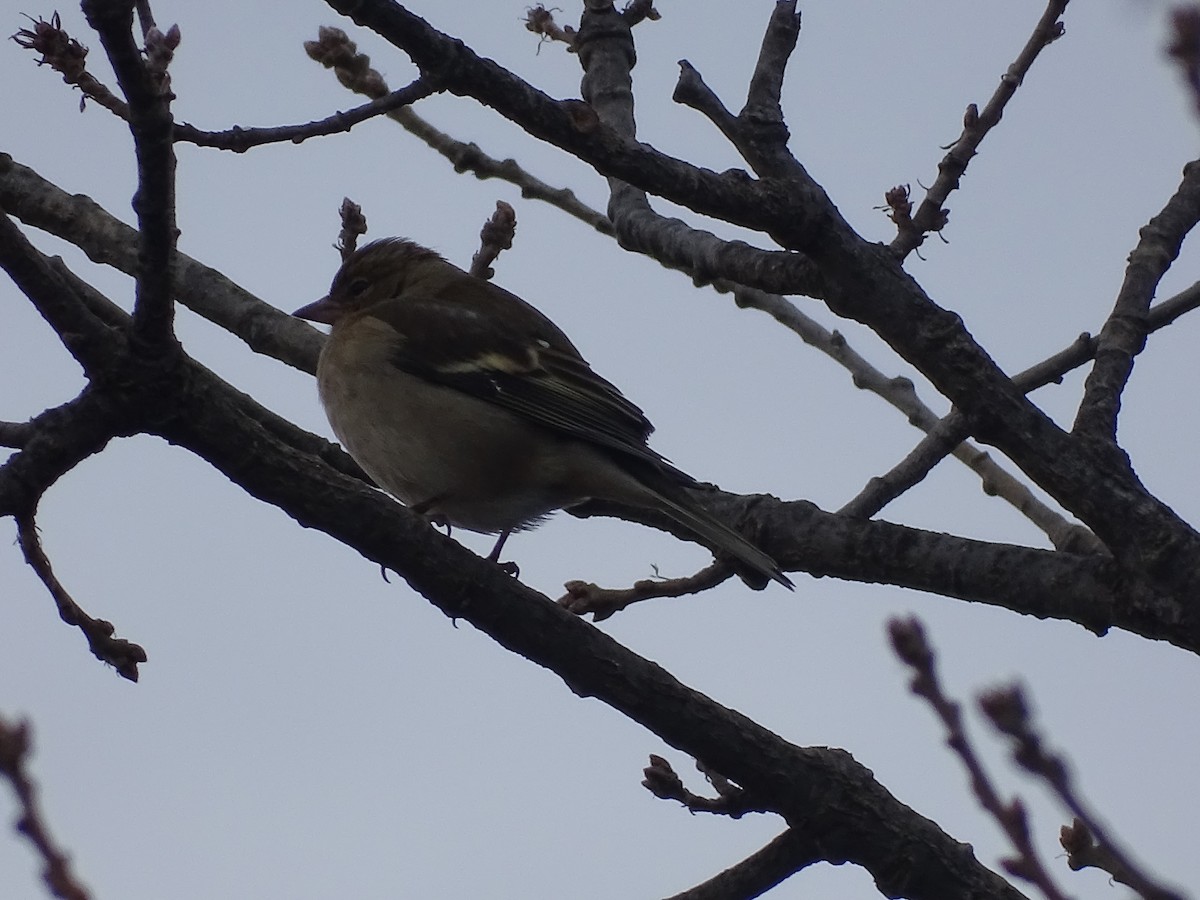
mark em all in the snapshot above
pixel 901 394
pixel 15 434
pixel 756 874
pixel 660 780
pixel 693 91
pixel 87 338
pixel 146 86
pixel 241 139
pixel 66 56
pixel 583 597
pixel 909 642
pixel 759 131
pixel 122 655
pixel 15 741
pixel 930 215
pixel 1008 711
pixel 949 433
pixel 105 239
pixel 766 84
pixel 638 11
pixel 334 50
pixel 145 16
pixel 1124 333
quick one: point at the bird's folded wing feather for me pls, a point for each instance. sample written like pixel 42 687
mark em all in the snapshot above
pixel 519 360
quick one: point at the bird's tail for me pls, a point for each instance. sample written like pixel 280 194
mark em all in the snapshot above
pixel 720 537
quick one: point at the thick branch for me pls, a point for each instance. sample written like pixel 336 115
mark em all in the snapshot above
pixel 824 793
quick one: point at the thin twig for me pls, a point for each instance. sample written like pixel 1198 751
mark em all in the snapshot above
pixel 638 11
pixel 583 597
pixel 1008 711
pixel 122 655
pixel 901 394
pixel 909 642
pixel 67 56
pixel 334 50
pixel 240 139
pixel 660 780
pixel 15 741
pixel 540 21
pixel 930 215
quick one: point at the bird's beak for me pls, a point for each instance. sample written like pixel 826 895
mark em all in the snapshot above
pixel 322 311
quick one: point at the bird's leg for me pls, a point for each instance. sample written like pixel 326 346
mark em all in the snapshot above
pixel 510 568
pixel 494 556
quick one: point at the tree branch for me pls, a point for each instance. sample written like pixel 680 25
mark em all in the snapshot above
pixel 822 792
pixel 122 655
pixel 15 743
pixel 87 338
pixel 756 874
pixel 910 644
pixel 146 86
pixel 949 433
pixel 583 597
pixel 1124 333
pixel 930 215
pixel 1009 712
pixel 241 139
pixel 106 240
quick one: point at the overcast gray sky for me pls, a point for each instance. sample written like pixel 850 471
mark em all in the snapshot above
pixel 304 730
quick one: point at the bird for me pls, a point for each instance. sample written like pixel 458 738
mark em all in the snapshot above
pixel 471 407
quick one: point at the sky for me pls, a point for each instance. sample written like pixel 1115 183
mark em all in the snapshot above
pixel 303 729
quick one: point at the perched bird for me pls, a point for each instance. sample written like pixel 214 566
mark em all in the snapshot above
pixel 473 408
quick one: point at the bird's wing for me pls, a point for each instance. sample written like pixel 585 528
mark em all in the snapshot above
pixel 517 359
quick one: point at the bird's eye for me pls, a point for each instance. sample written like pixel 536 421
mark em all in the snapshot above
pixel 357 286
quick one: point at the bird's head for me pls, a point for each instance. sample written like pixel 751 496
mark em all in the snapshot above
pixel 379 271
